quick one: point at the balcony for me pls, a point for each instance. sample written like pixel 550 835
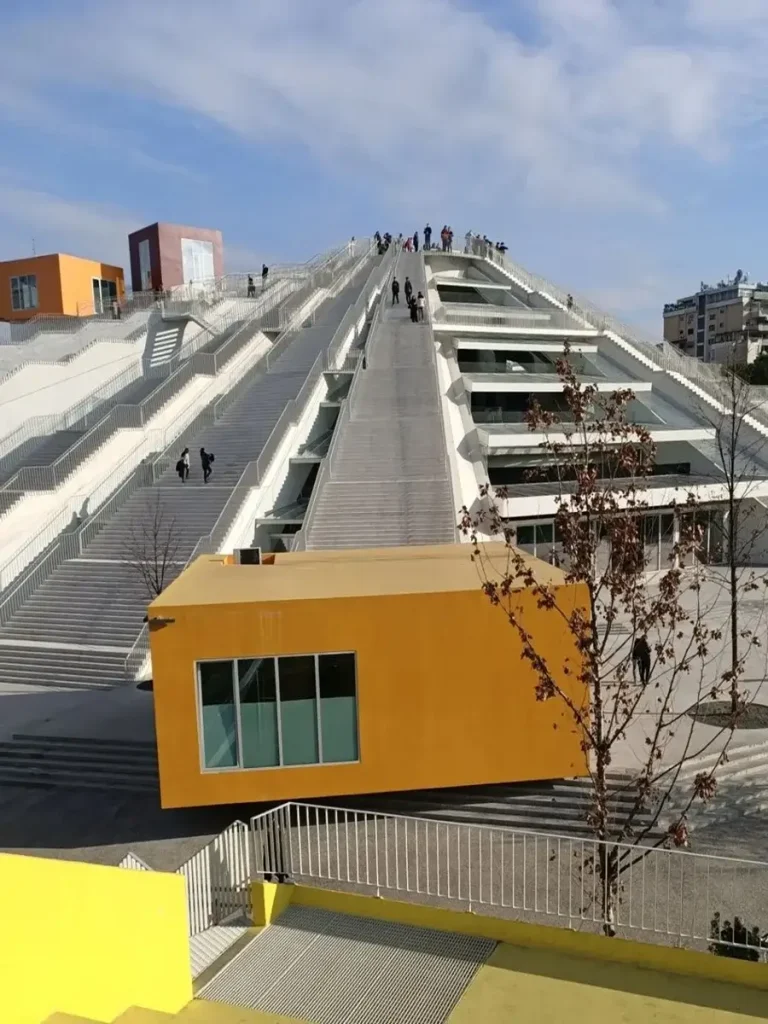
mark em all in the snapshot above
pixel 507 319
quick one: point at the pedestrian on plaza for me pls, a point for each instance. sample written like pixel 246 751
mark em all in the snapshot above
pixel 414 310
pixel 395 292
pixel 206 459
pixel 427 237
pixel 415 241
pixel 408 288
pixel 641 659
pixel 420 303
pixel 444 237
pixel 450 239
pixel 400 240
pixel 264 275
pixel 251 294
pixel 182 466
pixel 468 242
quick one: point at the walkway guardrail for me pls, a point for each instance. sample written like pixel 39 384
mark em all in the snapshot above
pixel 666 896
pixel 663 895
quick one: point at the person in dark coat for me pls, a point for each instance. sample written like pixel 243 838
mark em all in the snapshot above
pixel 182 466
pixel 408 288
pixel 264 275
pixel 206 458
pixel 428 237
pixel 395 292
pixel 415 241
pixel 251 294
pixel 414 310
pixel 641 659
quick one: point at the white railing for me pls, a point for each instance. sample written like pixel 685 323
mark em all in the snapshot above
pixel 662 895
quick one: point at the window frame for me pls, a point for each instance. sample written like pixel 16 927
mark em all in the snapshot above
pixel 320 763
pixel 20 290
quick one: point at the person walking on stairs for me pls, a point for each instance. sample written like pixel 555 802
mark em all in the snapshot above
pixel 251 293
pixel 641 659
pixel 182 466
pixel 414 310
pixel 408 288
pixel 420 303
pixel 264 275
pixel 427 237
pixel 395 292
pixel 415 241
pixel 206 458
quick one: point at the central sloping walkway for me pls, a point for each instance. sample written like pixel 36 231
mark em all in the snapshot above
pixel 97 601
pixel 334 968
pixel 389 482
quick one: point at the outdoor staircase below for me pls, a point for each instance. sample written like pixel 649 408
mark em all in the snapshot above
pixel 68 762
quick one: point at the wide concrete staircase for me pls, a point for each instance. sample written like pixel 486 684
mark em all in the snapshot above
pixel 388 482
pixel 559 806
pixel 78 626
pixel 742 785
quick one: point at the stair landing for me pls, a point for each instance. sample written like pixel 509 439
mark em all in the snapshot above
pixel 197 1012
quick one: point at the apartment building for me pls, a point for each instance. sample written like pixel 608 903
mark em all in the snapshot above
pixel 726 322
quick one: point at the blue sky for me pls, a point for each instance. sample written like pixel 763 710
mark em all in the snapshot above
pixel 617 146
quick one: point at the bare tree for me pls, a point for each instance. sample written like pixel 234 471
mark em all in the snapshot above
pixel 151 547
pixel 602 461
pixel 739 448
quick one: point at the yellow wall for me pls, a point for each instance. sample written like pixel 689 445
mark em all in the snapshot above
pixel 46 269
pixel 90 940
pixel 77 283
pixel 444 698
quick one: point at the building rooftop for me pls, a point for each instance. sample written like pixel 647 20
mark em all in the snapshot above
pixel 318 575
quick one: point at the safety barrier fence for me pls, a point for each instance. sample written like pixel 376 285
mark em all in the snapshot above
pixel 15 447
pixel 199 409
pixel 646 893
pixel 45 323
pixel 50 545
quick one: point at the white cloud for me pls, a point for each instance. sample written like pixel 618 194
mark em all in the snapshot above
pixel 408 87
pixel 61 225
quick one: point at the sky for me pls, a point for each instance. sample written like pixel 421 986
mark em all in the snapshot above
pixel 616 146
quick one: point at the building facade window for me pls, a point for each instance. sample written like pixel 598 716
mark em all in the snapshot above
pixel 278 712
pixel 24 292
pixel 196 260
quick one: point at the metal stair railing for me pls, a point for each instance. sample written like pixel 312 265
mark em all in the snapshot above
pixel 42 426
pixel 253 474
pixel 21 575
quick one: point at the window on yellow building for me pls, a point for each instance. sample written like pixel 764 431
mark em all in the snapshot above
pixel 278 711
pixel 24 292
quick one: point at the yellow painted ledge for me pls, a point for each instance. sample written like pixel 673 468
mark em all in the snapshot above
pixel 540 986
pixel 536 936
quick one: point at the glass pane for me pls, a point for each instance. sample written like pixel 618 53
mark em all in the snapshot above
pixel 338 707
pixel 525 536
pixel 258 713
pixel 15 294
pixel 217 699
pixel 298 710
pixel 96 296
pixel 544 533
